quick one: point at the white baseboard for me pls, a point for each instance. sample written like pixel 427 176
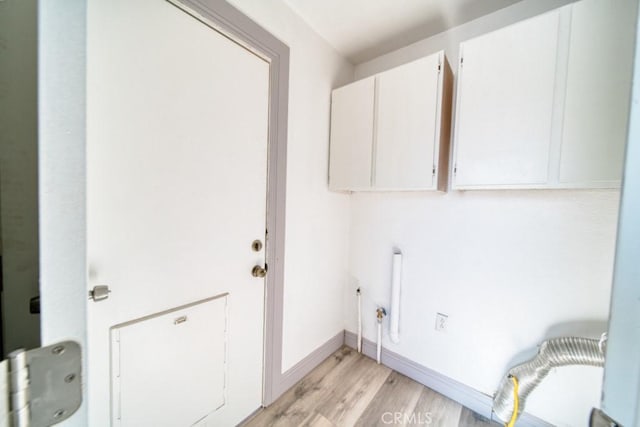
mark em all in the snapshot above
pixel 308 364
pixel 478 402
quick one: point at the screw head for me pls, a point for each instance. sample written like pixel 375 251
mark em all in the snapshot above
pixel 69 378
pixel 58 350
pixel 59 413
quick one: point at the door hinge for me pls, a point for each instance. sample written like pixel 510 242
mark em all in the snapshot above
pixel 42 387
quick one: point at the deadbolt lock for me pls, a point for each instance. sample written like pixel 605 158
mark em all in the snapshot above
pixel 256 245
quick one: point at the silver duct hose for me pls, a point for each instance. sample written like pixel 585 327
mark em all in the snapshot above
pixel 552 354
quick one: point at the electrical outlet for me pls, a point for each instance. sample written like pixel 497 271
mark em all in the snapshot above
pixel 441 322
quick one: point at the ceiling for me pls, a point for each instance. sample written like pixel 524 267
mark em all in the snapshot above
pixel 364 29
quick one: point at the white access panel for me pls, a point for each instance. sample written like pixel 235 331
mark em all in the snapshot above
pixel 504 108
pixel 352 136
pixel 597 97
pixel 407 127
pixel 169 369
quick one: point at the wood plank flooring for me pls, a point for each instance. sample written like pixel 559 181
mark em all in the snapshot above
pixel 349 389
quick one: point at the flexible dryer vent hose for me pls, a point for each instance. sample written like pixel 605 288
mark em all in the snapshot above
pixel 553 353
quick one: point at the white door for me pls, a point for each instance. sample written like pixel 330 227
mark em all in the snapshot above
pixel 177 118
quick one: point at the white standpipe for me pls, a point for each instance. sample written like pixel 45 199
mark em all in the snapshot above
pixel 396 275
pixel 359 343
pixel 380 313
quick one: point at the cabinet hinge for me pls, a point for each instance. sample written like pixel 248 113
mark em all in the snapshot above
pixel 433 170
pixel 455 169
pixel 461 60
pixel 439 67
pixel 42 386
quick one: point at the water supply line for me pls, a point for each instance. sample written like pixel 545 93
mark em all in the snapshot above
pixel 553 353
pixel 394 315
pixel 380 313
pixel 359 343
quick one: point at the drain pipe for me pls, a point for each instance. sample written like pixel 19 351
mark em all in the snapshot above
pixel 553 353
pixel 380 313
pixel 359 343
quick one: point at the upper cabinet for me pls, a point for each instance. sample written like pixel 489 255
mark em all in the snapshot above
pixel 391 131
pixel 544 103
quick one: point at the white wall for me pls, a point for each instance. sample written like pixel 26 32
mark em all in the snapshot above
pixel 510 268
pixel 317 221
pixel 18 172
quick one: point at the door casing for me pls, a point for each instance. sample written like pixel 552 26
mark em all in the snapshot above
pixel 621 384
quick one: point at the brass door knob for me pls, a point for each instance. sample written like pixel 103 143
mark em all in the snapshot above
pixel 258 271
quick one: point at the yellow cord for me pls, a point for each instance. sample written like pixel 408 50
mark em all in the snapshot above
pixel 516 402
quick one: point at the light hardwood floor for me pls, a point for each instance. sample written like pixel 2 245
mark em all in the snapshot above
pixel 349 389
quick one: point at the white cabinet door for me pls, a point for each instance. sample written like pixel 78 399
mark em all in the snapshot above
pixel 407 128
pixel 352 136
pixel 504 109
pixel 597 93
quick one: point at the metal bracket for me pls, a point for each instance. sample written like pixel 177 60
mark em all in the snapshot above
pixel 600 419
pixel 44 384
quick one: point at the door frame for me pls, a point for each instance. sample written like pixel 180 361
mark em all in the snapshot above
pixel 621 383
pixel 62 59
pixel 226 19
